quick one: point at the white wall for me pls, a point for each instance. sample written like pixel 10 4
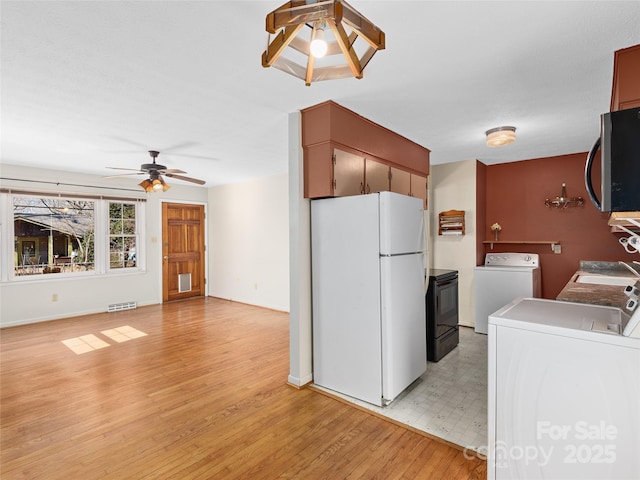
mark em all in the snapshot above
pixel 300 326
pixel 248 226
pixel 32 300
pixel 453 187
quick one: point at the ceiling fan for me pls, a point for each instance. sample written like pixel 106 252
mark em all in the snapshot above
pixel 155 182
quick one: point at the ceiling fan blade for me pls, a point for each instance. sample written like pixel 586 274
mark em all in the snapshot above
pixel 171 170
pixel 124 175
pixel 121 168
pixel 179 146
pixel 186 179
pixel 188 155
pixel 129 141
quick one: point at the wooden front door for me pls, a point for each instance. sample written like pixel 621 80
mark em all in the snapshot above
pixel 182 251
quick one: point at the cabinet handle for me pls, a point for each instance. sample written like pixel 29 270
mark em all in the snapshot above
pixel 368 188
pixel 361 187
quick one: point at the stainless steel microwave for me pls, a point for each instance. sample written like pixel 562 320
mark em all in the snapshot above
pixel 619 143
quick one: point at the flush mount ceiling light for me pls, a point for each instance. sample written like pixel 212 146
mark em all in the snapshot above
pixel 338 41
pixel 497 137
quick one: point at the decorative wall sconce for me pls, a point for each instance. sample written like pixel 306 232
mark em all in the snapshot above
pixel 563 201
pixel 314 49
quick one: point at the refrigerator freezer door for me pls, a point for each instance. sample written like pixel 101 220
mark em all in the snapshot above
pixel 404 349
pixel 346 296
pixel 401 224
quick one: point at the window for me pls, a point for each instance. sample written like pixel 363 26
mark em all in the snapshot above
pixel 53 235
pixel 123 238
pixel 69 235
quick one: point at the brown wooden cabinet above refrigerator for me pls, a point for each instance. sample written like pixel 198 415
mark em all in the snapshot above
pixel 626 79
pixel 346 154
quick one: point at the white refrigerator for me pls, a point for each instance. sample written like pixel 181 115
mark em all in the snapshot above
pixel 368 274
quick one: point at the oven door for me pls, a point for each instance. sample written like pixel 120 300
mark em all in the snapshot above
pixel 446 296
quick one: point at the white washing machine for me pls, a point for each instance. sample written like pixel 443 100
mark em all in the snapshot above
pixel 502 278
pixel 564 391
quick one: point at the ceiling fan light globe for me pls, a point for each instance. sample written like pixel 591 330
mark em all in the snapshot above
pixel 146 185
pixel 157 185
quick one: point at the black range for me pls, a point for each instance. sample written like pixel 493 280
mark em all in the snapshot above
pixel 442 313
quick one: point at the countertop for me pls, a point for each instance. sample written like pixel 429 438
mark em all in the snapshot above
pixel 609 295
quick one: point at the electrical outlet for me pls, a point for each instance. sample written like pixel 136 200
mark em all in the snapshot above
pixel 557 249
pixel 54 297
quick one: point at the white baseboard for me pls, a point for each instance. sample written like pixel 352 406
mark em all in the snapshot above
pixel 299 382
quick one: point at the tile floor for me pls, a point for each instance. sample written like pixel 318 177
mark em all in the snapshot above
pixel 450 399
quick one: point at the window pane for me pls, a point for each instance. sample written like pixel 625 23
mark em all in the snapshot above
pixel 115 226
pixel 115 260
pixel 52 235
pixel 130 250
pixel 122 235
pixel 129 227
pixel 129 211
pixel 115 210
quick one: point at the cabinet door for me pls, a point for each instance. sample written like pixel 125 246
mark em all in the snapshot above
pixel 400 181
pixel 376 177
pixel 419 188
pixel 348 174
pixel 626 71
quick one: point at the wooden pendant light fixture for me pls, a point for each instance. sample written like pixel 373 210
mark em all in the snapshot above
pixel 343 29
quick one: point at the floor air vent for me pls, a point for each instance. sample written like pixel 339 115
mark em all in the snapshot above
pixel 117 307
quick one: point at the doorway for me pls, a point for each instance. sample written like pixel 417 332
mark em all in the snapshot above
pixel 183 230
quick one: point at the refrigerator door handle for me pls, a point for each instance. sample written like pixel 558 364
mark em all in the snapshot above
pixel 425 253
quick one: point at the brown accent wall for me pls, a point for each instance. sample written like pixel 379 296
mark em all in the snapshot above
pixel 515 194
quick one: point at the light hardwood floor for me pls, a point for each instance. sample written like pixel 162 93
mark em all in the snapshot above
pixel 202 396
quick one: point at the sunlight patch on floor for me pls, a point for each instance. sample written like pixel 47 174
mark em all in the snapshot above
pixel 84 344
pixel 89 343
pixel 123 334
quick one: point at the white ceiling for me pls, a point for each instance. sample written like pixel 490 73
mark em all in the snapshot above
pixel 91 84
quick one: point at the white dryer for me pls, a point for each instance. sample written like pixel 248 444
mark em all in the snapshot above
pixel 503 278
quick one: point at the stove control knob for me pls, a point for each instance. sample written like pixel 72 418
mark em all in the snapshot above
pixel 527 258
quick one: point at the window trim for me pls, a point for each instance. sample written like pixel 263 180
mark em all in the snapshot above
pixel 140 250
pixel 101 237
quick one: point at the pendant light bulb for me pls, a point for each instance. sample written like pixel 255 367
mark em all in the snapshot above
pixel 318 45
